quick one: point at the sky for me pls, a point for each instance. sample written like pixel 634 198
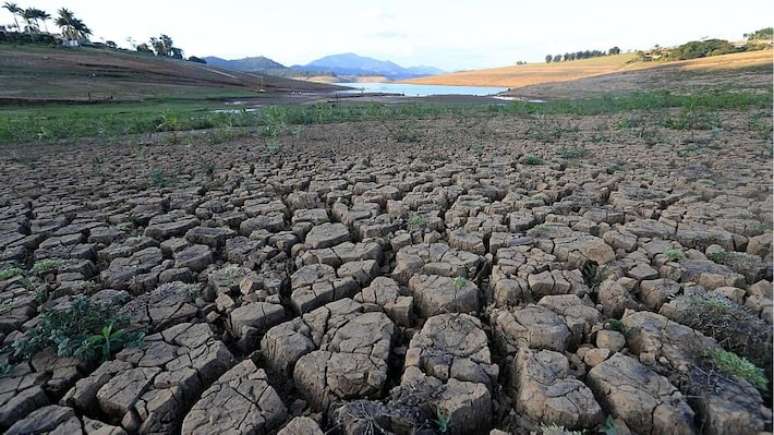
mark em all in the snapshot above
pixel 449 34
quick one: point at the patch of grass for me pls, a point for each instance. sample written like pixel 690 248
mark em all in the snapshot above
pixel 532 160
pixel 674 255
pixel 571 153
pixel 43 267
pixel 734 365
pixel 417 221
pixel 709 100
pixel 41 296
pixel 615 167
pixel 10 272
pixel 693 119
pixel 72 332
pixel 553 429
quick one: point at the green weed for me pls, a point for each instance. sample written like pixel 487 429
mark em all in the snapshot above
pixel 10 272
pixel 70 332
pixel 674 255
pixel 43 267
pixel 571 153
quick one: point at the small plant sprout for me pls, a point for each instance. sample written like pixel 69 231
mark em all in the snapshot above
pixel 532 160
pixel 417 221
pixel 159 179
pixel 615 325
pixel 5 369
pixel 460 282
pixel 109 340
pixel 674 255
pixel 442 420
pixel 719 257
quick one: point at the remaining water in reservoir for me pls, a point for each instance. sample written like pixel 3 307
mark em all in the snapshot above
pixel 411 90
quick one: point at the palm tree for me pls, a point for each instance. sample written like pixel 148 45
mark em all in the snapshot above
pixel 15 10
pixel 72 28
pixel 44 16
pixel 32 15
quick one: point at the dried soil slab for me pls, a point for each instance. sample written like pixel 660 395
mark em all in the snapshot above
pixel 451 354
pixel 352 358
pixel 385 293
pixel 163 378
pixel 239 402
pixel 172 224
pixel 573 247
pixel 21 392
pixel 435 259
pixel 163 307
pixel 137 272
pixel 327 235
pixel 533 326
pixel 545 391
pixel 439 294
pixel 301 426
pixel 60 420
pixel 316 285
pixel 646 401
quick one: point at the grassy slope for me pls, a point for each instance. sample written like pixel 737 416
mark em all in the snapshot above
pixel 41 72
pixel 533 74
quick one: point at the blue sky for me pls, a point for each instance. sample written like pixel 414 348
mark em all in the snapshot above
pixel 450 34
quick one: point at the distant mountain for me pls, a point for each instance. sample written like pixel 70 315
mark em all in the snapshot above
pixel 247 64
pixel 423 70
pixel 346 64
pixel 350 64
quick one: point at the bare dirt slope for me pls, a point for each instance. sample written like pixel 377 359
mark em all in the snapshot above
pixel 34 72
pixel 534 74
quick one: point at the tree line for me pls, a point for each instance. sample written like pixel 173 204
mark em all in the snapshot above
pixel 75 32
pixel 582 54
pixel 71 26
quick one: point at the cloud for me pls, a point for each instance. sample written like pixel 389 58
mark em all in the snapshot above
pixel 387 34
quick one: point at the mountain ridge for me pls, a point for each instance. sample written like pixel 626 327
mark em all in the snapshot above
pixel 341 64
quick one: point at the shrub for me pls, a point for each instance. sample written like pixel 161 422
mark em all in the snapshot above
pixel 84 330
pixel 734 365
pixel 533 160
pixel 734 326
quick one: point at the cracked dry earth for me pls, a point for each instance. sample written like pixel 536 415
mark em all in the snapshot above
pixel 388 289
